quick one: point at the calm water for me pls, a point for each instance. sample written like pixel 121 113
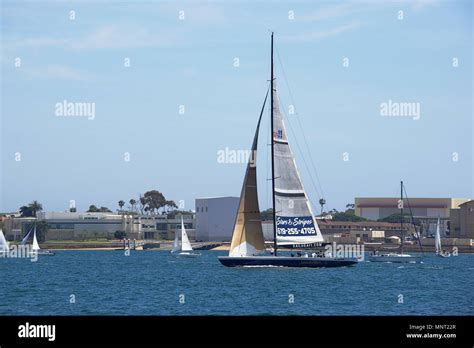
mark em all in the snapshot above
pixel 150 283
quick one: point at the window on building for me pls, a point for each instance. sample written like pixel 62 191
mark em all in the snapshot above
pixel 65 226
pixel 161 227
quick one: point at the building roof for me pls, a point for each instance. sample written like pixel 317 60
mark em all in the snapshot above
pixel 415 202
pixel 217 197
pixel 357 223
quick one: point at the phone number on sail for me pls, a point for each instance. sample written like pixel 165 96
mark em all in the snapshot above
pixel 292 231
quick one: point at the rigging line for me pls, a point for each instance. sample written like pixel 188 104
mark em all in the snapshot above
pixel 267 158
pixel 304 160
pixel 318 192
pixel 299 123
pixel 412 219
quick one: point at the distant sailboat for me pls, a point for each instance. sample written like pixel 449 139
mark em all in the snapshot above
pixel 293 220
pixel 399 257
pixel 184 248
pixel 25 238
pixel 35 246
pixel 4 246
pixel 439 251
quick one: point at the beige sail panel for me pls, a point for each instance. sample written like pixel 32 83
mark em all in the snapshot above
pixel 247 238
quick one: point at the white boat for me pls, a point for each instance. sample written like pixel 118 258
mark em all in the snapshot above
pixel 394 258
pixel 439 251
pixel 293 221
pixel 399 257
pixel 4 246
pixel 183 249
pixel 35 246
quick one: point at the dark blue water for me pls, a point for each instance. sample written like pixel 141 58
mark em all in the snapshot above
pixel 151 282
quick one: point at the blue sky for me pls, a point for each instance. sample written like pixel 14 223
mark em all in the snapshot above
pixel 190 62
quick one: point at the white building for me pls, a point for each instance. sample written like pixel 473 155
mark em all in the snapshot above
pixel 374 208
pixel 215 218
pixel 80 226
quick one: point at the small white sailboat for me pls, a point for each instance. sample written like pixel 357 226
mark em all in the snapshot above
pixel 439 251
pixel 183 249
pixel 35 246
pixel 393 257
pixel 4 246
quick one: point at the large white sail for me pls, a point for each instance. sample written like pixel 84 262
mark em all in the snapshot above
pixel 3 242
pixel 247 238
pixel 295 223
pixel 438 238
pixel 35 241
pixel 185 244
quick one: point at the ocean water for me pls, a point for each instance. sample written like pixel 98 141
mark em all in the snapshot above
pixel 153 283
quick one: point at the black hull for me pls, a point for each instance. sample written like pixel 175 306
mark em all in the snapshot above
pixel 277 261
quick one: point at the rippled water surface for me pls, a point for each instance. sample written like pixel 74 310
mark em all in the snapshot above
pixel 153 283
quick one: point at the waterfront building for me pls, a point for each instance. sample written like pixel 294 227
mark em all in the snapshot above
pixel 215 218
pixel 462 221
pixel 423 208
pixel 81 226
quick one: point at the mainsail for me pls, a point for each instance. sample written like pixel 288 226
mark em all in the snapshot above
pixel 247 238
pixel 295 223
pixel 3 242
pixel 438 238
pixel 185 244
pixel 35 241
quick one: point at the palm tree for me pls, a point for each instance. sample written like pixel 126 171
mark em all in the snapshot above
pixel 322 202
pixel 132 203
pixel 31 209
pixel 121 204
pixel 35 207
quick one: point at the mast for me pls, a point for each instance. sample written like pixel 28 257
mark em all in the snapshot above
pixel 401 217
pixel 273 157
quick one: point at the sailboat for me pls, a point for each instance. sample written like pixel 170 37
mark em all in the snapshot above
pixel 4 246
pixel 35 246
pixel 184 248
pixel 26 237
pixel 439 251
pixel 399 257
pixel 293 221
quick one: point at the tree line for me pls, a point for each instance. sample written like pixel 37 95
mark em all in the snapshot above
pixel 150 203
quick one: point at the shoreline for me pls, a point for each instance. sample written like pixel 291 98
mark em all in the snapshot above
pixel 223 246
